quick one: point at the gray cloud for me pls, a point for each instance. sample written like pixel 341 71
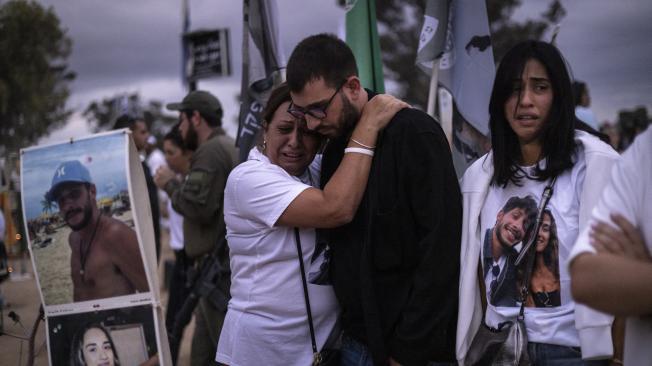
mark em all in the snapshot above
pixel 608 45
pixel 126 45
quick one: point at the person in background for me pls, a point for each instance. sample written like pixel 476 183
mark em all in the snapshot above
pixel 139 134
pixel 199 199
pixel 582 101
pixel 613 132
pixel 155 159
pixel 4 265
pixel 534 139
pixel 178 159
pixel 611 266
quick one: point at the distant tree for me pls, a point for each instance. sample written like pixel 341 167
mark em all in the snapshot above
pixel 103 114
pixel 399 25
pixel 47 205
pixel 34 75
pixel 505 32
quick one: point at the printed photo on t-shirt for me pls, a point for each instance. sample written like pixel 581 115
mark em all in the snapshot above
pixel 544 282
pixel 319 264
pixel 501 246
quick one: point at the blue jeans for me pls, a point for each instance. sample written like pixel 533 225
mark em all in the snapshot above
pixel 354 353
pixel 543 354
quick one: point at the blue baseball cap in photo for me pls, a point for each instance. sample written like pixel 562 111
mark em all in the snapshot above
pixel 68 171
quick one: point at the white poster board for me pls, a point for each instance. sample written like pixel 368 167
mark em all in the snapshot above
pixel 89 226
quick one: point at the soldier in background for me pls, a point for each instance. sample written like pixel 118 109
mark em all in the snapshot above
pixel 199 199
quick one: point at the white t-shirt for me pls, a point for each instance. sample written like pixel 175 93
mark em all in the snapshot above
pixel 267 323
pixel 155 160
pixel 587 116
pixel 175 221
pixel 629 193
pixel 549 317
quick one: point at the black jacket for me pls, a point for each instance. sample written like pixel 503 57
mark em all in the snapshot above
pixel 504 292
pixel 395 267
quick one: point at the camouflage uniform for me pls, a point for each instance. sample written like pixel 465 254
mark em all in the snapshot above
pixel 199 199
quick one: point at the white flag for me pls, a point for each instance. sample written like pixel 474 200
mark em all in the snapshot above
pixel 466 71
pixel 433 34
pixel 467 66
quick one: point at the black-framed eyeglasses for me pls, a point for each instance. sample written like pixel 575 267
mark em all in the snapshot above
pixel 318 112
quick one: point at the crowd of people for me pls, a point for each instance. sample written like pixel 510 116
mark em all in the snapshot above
pixel 347 229
pixel 349 236
pixel 351 241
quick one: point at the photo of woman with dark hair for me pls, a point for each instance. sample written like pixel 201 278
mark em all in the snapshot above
pixel 544 284
pixel 92 345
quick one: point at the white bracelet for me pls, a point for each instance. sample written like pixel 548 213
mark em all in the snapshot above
pixel 358 150
pixel 363 145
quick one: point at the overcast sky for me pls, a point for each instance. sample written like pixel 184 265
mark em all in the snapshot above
pixel 125 46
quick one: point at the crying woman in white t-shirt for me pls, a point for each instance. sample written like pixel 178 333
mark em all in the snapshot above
pixel 275 191
pixel 535 138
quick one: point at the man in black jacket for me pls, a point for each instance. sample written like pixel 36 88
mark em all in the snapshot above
pixel 395 267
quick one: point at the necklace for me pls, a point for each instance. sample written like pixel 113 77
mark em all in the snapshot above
pixel 310 177
pixel 83 255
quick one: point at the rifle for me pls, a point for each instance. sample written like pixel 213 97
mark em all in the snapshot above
pixel 204 284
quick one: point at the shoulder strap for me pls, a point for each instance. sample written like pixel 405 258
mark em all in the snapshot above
pixel 529 249
pixel 305 291
pixel 483 288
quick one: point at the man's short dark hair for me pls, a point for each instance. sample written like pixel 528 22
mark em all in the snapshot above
pixel 127 121
pixel 527 204
pixel 174 136
pixel 320 56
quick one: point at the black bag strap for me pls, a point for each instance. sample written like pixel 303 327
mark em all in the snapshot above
pixel 315 352
pixel 529 249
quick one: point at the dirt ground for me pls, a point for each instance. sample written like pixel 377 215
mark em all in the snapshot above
pixel 21 297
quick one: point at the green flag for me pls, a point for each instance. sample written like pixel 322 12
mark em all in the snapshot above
pixel 362 37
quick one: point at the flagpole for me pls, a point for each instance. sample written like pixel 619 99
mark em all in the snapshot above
pixel 432 91
pixel 446 123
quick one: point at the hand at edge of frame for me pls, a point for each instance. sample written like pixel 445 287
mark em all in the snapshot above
pixel 624 240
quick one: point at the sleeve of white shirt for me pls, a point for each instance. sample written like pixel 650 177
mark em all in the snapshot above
pixel 619 196
pixel 262 192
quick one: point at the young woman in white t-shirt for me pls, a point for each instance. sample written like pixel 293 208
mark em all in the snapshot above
pixel 265 198
pixel 535 137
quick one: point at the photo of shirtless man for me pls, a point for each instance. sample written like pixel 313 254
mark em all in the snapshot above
pixel 105 259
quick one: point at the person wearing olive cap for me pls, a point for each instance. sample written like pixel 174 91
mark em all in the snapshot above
pixel 199 199
pixel 105 259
